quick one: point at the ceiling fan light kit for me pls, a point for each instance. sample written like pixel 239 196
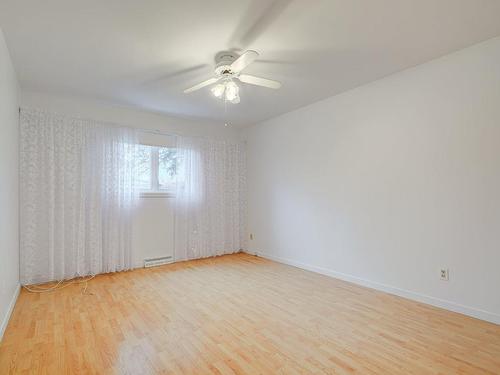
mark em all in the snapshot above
pixel 227 90
pixel 228 69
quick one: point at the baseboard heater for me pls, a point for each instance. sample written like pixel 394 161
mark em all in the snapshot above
pixel 153 262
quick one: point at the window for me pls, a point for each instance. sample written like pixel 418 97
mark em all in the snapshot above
pixel 157 170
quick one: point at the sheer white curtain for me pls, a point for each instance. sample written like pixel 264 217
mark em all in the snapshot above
pixel 77 196
pixel 210 200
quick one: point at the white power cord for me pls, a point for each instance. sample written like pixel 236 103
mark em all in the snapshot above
pixel 59 285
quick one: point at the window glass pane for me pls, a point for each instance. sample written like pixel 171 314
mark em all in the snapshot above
pixel 144 167
pixel 167 170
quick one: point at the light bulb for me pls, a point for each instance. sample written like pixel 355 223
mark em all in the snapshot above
pixel 218 90
pixel 232 90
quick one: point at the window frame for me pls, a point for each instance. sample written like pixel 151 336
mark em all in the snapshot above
pixel 154 191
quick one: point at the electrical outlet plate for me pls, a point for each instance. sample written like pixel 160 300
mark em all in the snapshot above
pixel 251 236
pixel 444 274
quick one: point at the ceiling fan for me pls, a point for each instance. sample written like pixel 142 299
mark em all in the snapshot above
pixel 228 69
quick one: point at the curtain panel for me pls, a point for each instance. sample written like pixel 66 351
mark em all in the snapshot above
pixel 76 196
pixel 210 204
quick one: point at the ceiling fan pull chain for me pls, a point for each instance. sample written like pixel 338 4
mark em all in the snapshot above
pixel 225 112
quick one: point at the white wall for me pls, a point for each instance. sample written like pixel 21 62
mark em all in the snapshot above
pixel 387 183
pixel 153 230
pixel 9 187
pixel 153 227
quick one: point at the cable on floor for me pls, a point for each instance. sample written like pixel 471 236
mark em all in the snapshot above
pixel 60 285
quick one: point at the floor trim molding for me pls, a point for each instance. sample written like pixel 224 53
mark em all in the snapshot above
pixel 437 302
pixel 6 318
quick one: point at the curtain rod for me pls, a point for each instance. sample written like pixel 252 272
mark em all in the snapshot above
pixel 158 132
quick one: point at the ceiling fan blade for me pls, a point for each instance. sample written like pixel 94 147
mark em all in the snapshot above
pixel 243 61
pixel 269 83
pixel 201 85
pixel 259 16
pixel 159 79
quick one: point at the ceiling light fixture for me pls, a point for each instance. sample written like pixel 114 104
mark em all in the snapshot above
pixel 227 90
pixel 218 90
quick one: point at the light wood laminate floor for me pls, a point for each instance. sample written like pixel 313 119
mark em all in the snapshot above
pixel 239 314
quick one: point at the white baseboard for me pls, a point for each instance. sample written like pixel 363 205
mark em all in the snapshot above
pixel 6 318
pixel 448 305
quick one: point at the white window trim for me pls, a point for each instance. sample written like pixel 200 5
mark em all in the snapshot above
pixel 157 194
pixel 155 191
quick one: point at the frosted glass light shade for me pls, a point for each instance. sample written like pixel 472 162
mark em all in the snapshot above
pixel 218 90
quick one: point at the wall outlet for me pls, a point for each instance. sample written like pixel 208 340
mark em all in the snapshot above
pixel 444 274
pixel 251 236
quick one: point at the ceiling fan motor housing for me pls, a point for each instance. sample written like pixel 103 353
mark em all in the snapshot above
pixel 223 61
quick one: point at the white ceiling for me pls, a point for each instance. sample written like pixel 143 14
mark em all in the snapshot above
pixel 144 53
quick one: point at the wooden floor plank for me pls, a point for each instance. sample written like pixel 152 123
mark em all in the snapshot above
pixel 239 314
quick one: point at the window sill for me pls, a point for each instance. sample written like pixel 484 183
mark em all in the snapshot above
pixel 157 194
